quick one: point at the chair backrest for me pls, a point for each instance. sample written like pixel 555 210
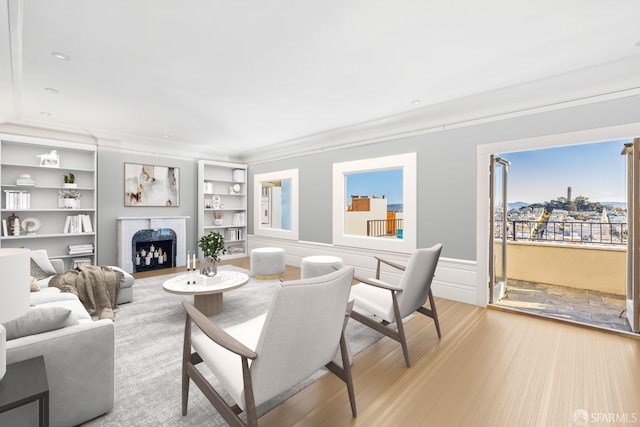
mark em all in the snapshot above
pixel 301 333
pixel 417 278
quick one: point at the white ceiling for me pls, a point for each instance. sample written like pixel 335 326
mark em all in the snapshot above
pixel 235 76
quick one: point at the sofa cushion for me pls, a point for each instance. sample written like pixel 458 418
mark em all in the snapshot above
pixel 41 267
pixel 39 320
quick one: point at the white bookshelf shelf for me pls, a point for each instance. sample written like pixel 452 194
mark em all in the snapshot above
pixel 20 155
pixel 215 179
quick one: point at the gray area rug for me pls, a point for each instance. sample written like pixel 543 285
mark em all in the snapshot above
pixel 148 353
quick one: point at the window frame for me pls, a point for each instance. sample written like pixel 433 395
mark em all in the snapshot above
pixel 281 233
pixel 408 163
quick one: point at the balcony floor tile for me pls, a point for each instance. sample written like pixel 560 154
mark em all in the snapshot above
pixel 585 306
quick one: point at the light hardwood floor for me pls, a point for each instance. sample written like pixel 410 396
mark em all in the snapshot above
pixel 491 368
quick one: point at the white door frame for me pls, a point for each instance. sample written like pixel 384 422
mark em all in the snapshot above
pixel 484 152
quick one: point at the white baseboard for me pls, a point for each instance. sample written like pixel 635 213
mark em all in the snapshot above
pixel 454 280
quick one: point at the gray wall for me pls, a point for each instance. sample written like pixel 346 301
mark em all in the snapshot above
pixel 446 171
pixel 111 197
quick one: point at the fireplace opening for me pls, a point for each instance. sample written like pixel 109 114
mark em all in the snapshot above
pixel 153 249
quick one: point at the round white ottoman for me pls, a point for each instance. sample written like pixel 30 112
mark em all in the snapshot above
pixel 267 263
pixel 319 265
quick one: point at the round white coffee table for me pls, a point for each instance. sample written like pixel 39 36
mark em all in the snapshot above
pixel 207 298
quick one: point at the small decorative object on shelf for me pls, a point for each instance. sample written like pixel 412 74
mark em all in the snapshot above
pixel 212 246
pixel 50 159
pixel 237 175
pixel 70 198
pixel 31 225
pixel 24 179
pixel 216 201
pixel 218 218
pixel 13 222
pixel 70 181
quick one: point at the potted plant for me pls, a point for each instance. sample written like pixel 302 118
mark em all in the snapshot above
pixel 212 246
pixel 70 181
pixel 70 198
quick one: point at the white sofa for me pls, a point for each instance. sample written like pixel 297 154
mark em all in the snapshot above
pixel 79 359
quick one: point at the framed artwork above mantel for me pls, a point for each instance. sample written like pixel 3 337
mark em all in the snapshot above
pixel 151 185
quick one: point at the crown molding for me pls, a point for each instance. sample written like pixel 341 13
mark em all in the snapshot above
pixel 609 81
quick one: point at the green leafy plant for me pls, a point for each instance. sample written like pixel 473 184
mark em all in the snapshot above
pixel 69 178
pixel 212 245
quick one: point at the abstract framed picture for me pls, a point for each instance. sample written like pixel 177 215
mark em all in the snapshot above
pixel 151 185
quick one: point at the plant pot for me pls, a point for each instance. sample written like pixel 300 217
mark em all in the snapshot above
pixel 208 267
pixel 74 185
pixel 69 203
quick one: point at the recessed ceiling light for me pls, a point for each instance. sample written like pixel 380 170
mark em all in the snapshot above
pixel 61 56
pixel 51 90
pixel 166 135
pixel 416 102
pixel 45 113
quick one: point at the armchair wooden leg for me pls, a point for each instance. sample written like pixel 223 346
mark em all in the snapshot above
pixel 432 313
pixel 185 390
pixel 435 313
pixel 347 374
pixel 401 336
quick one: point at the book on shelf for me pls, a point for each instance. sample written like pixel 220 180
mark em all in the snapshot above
pixel 77 262
pixel 15 199
pixel 78 224
pixel 233 234
pixel 238 218
pixel 81 249
pixel 4 228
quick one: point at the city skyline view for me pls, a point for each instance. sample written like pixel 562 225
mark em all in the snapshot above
pixel 596 171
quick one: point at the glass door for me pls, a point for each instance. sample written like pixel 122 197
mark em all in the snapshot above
pixel 632 151
pixel 498 228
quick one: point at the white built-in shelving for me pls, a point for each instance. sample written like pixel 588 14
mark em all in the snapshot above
pixel 222 204
pixel 19 155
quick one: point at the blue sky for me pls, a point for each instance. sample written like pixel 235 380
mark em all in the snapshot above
pixel 379 183
pixel 596 171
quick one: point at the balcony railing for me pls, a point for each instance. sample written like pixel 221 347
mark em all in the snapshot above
pixel 383 227
pixel 565 231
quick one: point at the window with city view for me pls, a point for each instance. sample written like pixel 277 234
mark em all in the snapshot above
pixel 567 194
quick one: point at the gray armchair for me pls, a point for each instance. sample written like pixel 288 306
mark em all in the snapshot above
pixel 391 303
pixel 259 359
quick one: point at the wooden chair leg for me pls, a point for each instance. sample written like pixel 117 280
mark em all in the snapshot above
pixel 346 367
pixel 432 303
pixel 401 336
pixel 185 391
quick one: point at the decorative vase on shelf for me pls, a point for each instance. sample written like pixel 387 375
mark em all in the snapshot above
pixel 70 203
pixel 218 218
pixel 208 267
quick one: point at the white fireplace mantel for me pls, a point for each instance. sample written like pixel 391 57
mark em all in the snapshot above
pixel 128 226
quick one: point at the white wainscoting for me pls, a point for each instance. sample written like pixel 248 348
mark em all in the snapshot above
pixel 455 279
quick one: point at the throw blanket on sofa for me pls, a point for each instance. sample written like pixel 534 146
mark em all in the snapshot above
pixel 97 288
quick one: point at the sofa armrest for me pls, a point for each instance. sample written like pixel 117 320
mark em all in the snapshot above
pixel 80 363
